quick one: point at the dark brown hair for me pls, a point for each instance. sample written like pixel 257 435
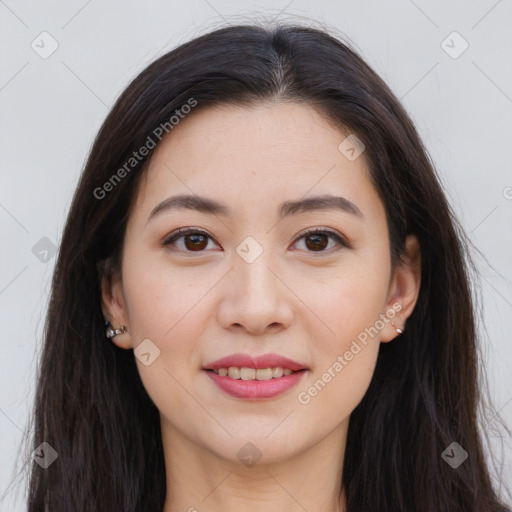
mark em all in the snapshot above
pixel 90 404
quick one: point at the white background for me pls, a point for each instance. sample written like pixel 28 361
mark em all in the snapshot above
pixel 52 108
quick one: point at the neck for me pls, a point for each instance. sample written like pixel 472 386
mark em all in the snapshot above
pixel 199 480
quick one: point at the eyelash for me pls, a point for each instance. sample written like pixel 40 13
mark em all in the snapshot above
pixel 181 232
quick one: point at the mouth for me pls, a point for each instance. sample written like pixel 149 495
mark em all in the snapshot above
pixel 255 377
pixel 250 374
pixel 254 384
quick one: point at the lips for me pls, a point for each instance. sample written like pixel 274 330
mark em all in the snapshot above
pixel 288 374
pixel 256 362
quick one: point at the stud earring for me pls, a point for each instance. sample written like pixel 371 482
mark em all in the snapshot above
pixel 397 329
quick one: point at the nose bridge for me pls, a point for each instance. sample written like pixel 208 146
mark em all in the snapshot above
pixel 251 271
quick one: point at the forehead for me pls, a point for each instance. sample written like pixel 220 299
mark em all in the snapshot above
pixel 255 157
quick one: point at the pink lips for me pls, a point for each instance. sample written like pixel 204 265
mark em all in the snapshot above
pixel 245 360
pixel 255 389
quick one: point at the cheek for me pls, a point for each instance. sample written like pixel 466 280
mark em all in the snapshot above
pixel 163 306
pixel 161 298
pixel 344 361
pixel 345 354
pixel 349 300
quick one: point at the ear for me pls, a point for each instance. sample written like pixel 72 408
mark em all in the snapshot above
pixel 403 290
pixel 113 304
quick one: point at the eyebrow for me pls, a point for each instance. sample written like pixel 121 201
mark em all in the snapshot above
pixel 212 207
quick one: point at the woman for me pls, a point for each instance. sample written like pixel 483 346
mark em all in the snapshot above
pixel 261 298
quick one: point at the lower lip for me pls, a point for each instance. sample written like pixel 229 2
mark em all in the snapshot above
pixel 255 389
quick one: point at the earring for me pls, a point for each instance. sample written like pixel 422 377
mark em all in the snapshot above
pixel 111 332
pixel 397 329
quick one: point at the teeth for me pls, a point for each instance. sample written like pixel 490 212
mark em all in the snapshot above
pixel 252 373
pixel 247 373
pixel 277 372
pixel 263 373
pixel 233 372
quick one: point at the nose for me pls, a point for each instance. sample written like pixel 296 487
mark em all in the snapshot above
pixel 256 298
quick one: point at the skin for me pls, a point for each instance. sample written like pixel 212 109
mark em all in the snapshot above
pixel 294 300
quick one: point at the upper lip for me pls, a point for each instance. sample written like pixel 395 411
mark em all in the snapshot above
pixel 248 361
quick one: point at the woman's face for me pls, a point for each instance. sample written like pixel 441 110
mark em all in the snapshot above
pixel 248 279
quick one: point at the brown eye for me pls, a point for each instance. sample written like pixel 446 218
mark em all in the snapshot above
pixel 317 240
pixel 194 240
pixel 197 242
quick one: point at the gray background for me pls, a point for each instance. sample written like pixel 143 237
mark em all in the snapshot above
pixel 52 108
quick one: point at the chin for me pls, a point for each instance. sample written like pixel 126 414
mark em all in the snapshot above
pixel 257 448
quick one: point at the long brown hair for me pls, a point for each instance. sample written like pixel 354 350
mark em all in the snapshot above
pixel 90 404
